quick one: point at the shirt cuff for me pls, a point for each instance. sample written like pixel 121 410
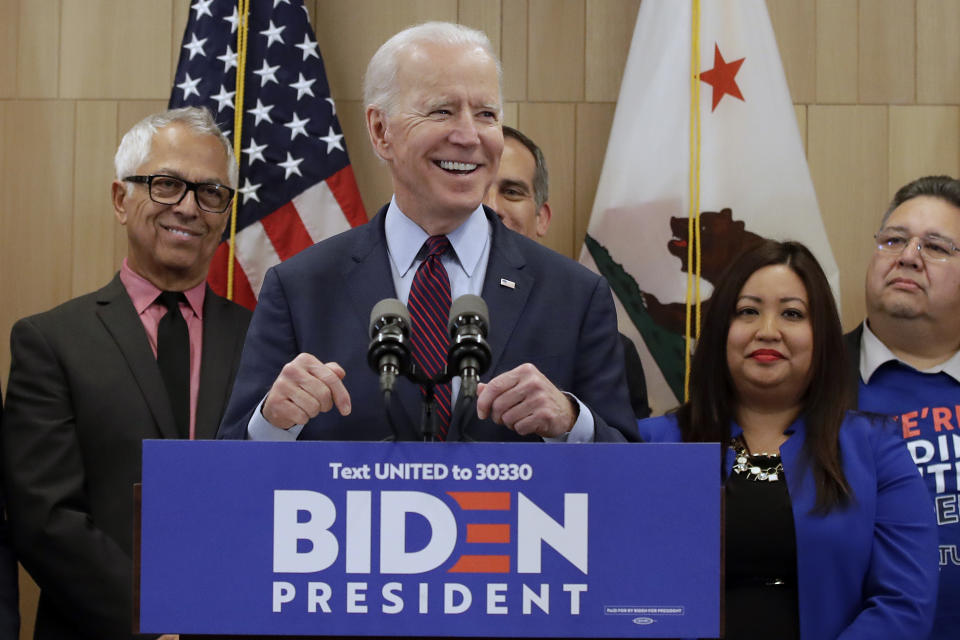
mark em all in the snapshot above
pixel 583 427
pixel 259 428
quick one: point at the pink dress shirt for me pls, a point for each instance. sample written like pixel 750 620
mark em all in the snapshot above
pixel 144 295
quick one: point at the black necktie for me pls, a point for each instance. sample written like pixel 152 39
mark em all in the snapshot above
pixel 429 305
pixel 173 357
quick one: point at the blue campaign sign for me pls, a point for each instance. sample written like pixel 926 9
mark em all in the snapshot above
pixel 430 539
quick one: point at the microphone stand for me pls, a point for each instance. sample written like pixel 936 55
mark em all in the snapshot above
pixel 428 415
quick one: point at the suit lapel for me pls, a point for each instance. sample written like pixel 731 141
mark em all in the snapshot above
pixel 505 303
pixel 222 344
pixel 371 280
pixel 116 311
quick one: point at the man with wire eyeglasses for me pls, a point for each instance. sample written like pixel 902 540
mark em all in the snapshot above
pixel 153 354
pixel 906 354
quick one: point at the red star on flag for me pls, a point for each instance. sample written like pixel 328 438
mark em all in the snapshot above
pixel 722 77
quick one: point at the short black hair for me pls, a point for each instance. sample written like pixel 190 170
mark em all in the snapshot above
pixel 541 177
pixel 943 187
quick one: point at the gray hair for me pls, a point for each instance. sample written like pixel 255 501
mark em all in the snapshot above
pixel 541 177
pixel 134 149
pixel 942 187
pixel 379 89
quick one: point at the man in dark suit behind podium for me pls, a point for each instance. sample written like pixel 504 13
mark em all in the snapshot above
pixel 86 387
pixel 434 117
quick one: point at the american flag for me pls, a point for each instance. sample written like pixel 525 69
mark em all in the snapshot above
pixel 296 184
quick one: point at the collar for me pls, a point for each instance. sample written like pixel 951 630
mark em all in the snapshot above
pixel 144 293
pixel 405 239
pixel 874 353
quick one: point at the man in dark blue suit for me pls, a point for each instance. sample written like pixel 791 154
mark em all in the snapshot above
pixel 434 117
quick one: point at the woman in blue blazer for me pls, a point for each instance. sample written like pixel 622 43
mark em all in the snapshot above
pixel 829 531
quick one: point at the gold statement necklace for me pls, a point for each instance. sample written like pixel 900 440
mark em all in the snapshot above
pixel 747 463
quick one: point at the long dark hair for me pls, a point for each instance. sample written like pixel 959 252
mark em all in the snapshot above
pixel 707 416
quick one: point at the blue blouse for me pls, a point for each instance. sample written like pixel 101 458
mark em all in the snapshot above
pixel 867 570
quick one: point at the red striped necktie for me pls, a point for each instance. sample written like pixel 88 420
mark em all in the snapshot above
pixel 429 305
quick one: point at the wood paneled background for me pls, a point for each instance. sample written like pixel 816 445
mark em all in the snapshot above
pixel 876 84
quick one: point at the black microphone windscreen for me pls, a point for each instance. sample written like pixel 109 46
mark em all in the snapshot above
pixel 388 307
pixel 468 304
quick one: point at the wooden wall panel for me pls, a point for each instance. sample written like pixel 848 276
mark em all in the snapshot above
pixel 35 209
pixel 795 27
pixel 134 62
pixel 38 45
pixel 555 51
pixel 593 132
pixel 552 125
pixel 513 49
pixel 887 51
pixel 511 114
pixel 178 22
pixel 923 141
pixel 938 51
pixel 94 258
pixel 609 32
pixel 9 29
pixel 837 48
pixel 350 32
pixel 848 164
pixel 483 15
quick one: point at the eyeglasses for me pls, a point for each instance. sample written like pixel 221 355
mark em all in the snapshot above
pixel 930 247
pixel 210 196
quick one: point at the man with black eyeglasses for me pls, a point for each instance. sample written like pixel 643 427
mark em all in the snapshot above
pixel 151 355
pixel 906 355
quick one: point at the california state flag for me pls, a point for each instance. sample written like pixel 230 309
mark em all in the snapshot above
pixel 717 138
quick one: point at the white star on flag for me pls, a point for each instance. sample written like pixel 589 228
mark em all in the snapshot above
pixel 308 46
pixel 229 59
pixel 249 191
pixel 267 73
pixel 202 7
pixel 273 34
pixel 294 193
pixel 303 86
pixel 291 165
pixel 224 98
pixel 233 19
pixel 254 152
pixel 297 126
pixel 262 112
pixel 333 141
pixel 333 106
pixel 189 86
pixel 195 46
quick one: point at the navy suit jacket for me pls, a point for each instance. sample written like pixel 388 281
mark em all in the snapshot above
pixel 557 315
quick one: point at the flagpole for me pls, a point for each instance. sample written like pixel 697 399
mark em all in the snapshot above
pixel 243 9
pixel 693 216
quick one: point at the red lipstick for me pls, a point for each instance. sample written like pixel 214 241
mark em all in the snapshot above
pixel 766 355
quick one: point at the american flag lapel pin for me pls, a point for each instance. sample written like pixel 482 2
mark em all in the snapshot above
pixel 509 284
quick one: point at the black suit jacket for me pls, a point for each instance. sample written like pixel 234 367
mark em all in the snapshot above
pixel 544 308
pixel 9 592
pixel 84 391
pixel 851 343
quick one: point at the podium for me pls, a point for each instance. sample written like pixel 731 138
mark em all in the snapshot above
pixel 430 539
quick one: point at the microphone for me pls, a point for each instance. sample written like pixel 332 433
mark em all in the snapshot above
pixel 469 353
pixel 389 350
